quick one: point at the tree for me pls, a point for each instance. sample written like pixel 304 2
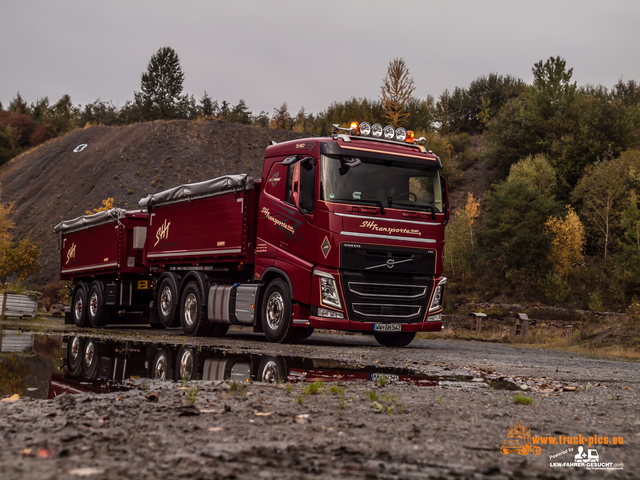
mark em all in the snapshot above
pixel 512 236
pixel 240 114
pixel 537 173
pixel 106 206
pixel 282 118
pixel 18 106
pixel 397 89
pixel 161 85
pixel 459 233
pixel 207 106
pixel 567 241
pixel 62 116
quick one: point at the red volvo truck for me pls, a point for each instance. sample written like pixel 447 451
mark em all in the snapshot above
pixel 342 232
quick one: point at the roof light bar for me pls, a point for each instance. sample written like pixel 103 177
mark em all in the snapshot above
pixel 401 134
pixel 365 128
pixel 388 132
pixel 376 130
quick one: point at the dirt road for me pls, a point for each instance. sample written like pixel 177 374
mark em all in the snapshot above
pixel 438 409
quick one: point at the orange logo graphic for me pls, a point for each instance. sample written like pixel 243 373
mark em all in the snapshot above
pixel 519 441
pixel 163 232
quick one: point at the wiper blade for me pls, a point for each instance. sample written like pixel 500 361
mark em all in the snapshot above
pixel 426 206
pixel 377 203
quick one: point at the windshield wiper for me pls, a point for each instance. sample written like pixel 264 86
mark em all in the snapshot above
pixel 426 206
pixel 377 203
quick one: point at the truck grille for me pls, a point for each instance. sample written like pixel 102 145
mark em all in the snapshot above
pixel 384 297
pixel 380 258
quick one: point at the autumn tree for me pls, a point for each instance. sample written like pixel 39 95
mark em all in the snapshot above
pixel 282 119
pixel 161 86
pixel 567 241
pixel 397 89
pixel 460 237
pixel 106 206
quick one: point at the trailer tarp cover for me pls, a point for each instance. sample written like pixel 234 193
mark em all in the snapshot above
pixel 86 221
pixel 201 189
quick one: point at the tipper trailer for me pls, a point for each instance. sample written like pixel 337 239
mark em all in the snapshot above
pixel 342 232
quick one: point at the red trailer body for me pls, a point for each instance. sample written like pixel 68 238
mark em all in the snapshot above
pixel 102 244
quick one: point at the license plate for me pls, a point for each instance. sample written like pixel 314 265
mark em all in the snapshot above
pixel 387 327
pixel 390 378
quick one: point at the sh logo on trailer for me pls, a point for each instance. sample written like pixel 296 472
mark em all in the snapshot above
pixel 162 232
pixel 71 253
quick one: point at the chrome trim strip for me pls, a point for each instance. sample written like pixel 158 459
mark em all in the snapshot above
pixel 389 237
pixel 188 253
pixel 385 305
pixel 390 265
pixel 397 220
pixel 89 267
pixel 424 290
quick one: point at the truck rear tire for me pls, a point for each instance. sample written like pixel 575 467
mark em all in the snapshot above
pixel 90 359
pixel 394 339
pixel 167 303
pixel 276 312
pixel 193 315
pixel 79 306
pixel 97 312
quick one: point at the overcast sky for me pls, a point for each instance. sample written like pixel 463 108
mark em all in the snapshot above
pixel 305 53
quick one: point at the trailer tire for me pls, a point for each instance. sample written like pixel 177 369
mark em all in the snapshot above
pixel 75 352
pixel 97 312
pixel 276 312
pixel 394 339
pixel 193 315
pixel 90 360
pixel 167 304
pixel 161 366
pixel 186 364
pixel 79 306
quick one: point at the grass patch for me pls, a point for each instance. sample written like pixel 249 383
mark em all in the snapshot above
pixel 192 394
pixel 336 389
pixel 522 400
pixel 238 388
pixel 312 388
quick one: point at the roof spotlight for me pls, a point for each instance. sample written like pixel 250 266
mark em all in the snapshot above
pixel 401 134
pixel 353 128
pixel 388 132
pixel 421 141
pixel 376 130
pixel 365 128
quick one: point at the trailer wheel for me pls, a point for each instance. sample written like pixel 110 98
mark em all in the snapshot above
pixel 276 312
pixel 79 307
pixel 167 302
pixel 192 313
pixel 161 369
pixel 90 360
pixel 97 312
pixel 394 339
pixel 75 350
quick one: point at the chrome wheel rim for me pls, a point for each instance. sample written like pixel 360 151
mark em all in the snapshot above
pixel 93 304
pixel 160 368
pixel 78 308
pixel 275 310
pixel 75 347
pixel 190 309
pixel 270 372
pixel 186 365
pixel 165 301
pixel 88 354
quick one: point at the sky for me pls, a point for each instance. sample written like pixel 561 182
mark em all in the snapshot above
pixel 306 53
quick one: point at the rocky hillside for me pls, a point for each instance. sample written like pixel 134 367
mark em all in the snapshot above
pixel 57 181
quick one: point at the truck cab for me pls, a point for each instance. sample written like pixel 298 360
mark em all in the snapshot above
pixel 351 227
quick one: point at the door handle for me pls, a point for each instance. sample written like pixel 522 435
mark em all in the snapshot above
pixel 284 244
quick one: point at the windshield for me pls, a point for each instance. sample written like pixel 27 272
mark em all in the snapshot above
pixel 387 183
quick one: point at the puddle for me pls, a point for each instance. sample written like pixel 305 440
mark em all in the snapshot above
pixel 42 366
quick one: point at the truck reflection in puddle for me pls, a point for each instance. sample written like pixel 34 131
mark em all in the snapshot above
pixel 92 364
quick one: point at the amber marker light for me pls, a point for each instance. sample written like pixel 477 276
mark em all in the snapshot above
pixel 353 129
pixel 410 136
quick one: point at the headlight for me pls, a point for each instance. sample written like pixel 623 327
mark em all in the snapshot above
pixel 323 312
pixel 329 295
pixel 436 302
pixel 389 132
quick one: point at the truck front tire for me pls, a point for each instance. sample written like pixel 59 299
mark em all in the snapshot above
pixel 193 315
pixel 79 307
pixel 167 301
pixel 394 339
pixel 276 312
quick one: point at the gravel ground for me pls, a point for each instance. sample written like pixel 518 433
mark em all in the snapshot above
pixel 453 430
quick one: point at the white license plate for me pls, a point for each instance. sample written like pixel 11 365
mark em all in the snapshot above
pixel 389 377
pixel 387 327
